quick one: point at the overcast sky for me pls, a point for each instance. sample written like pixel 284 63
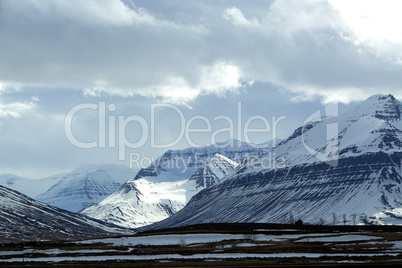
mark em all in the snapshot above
pixel 205 58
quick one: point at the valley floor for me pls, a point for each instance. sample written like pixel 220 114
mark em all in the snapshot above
pixel 229 245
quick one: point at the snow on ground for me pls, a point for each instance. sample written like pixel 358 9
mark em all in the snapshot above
pixel 191 240
pixel 397 245
pixel 158 240
pixel 56 251
pixel 249 245
pixel 196 256
pixel 342 238
pixel 387 217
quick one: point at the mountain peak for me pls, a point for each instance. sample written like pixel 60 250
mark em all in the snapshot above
pixel 384 107
pixel 381 97
pixel 219 158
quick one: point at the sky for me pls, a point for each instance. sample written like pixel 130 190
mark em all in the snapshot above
pixel 112 81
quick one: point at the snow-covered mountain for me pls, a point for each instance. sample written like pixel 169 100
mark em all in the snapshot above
pixel 29 187
pixel 86 186
pixel 213 171
pixel 361 175
pixel 25 219
pixel 149 199
pixel 175 165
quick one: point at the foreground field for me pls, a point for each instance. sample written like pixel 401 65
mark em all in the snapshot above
pixel 220 245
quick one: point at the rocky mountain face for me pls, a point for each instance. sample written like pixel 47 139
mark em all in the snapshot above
pixel 175 165
pixel 25 219
pixel 146 200
pixel 86 186
pixel 213 171
pixel 319 179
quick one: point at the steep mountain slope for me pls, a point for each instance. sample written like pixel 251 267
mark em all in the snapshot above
pixel 361 174
pixel 213 171
pixel 86 186
pixel 142 201
pixel 25 219
pixel 29 187
pixel 175 165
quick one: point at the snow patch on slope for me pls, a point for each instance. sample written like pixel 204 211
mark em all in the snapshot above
pixel 387 217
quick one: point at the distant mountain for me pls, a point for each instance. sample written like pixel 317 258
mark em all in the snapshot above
pixel 175 165
pixel 146 200
pixel 355 172
pixel 29 187
pixel 86 186
pixel 25 219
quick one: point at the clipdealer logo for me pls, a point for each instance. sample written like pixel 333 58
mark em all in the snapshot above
pixel 112 128
pixel 112 132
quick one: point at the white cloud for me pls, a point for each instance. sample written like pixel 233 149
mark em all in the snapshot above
pixel 291 16
pixel 99 47
pixel 372 18
pixel 218 79
pixel 15 109
pixel 311 48
pixel 8 113
pixel 9 87
pixel 343 95
pixel 235 16
pixel 89 12
pixel 35 99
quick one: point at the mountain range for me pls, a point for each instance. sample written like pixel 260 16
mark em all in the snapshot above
pixel 83 187
pixel 165 186
pixel 152 198
pixel 334 168
pixel 360 175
